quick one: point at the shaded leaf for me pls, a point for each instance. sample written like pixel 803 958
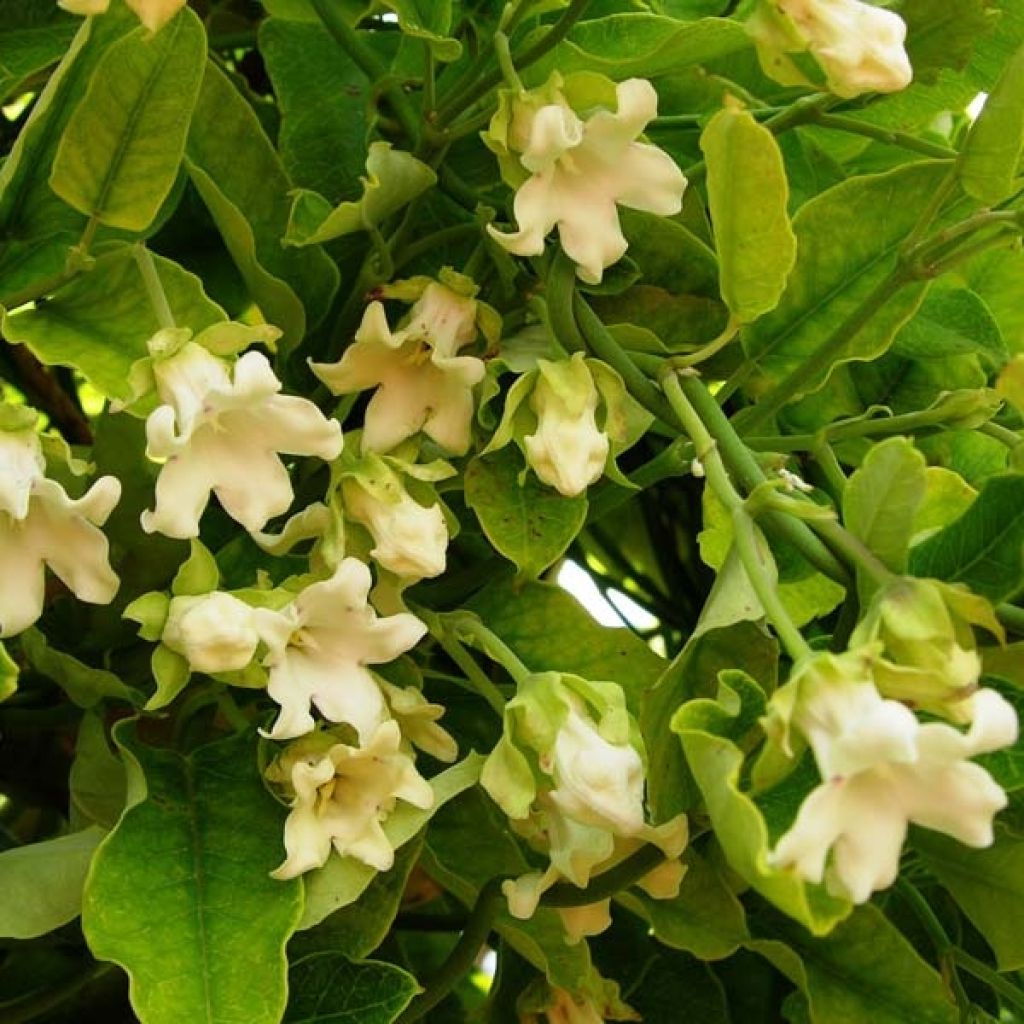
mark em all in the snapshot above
pixel 328 988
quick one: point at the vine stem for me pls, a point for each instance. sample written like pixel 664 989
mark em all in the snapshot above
pixel 745 532
pixel 1002 986
pixel 472 671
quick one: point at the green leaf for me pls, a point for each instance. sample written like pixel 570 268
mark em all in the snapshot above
pixel 882 498
pixel 535 618
pixel 947 496
pixel 328 988
pixel 393 179
pixel 343 880
pixel 202 841
pixel 709 731
pixel 430 21
pixel 240 179
pixel 831 280
pixel 358 929
pixel 670 255
pixel 527 522
pixel 987 884
pixel 705 919
pixel 42 883
pixel 324 99
pixel 32 37
pixel 951 322
pixel 941 34
pixel 748 195
pixel 97 782
pixel 984 548
pixel 864 971
pixel 100 322
pixel 85 685
pixel 121 150
pixel 8 675
pixel 640 45
pixel 198 574
pixel 990 158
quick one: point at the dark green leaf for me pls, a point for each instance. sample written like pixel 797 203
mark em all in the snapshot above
pixel 328 988
pixel 528 522
pixel 33 35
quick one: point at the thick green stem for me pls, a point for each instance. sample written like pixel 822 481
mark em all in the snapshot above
pixel 475 675
pixel 602 887
pixel 1003 987
pixel 745 469
pixel 463 955
pixel 1011 617
pixel 850 549
pixel 561 291
pixel 854 126
pixel 745 537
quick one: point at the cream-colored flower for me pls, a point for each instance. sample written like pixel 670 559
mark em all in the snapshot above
pixel 422 383
pixel 214 632
pixel 220 428
pixel 342 794
pixel 41 526
pixel 418 719
pixel 858 46
pixel 567 451
pixel 319 649
pixel 579 171
pixel 410 539
pixel 883 770
pixel 154 14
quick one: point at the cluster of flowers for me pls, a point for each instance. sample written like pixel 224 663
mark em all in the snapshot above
pixel 882 768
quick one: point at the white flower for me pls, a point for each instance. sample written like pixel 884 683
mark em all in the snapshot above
pixel 39 526
pixel 580 170
pixel 319 649
pixel 422 383
pixel 567 451
pixel 597 783
pixel 859 46
pixel 220 429
pixel 883 770
pixel 342 795
pixel 214 632
pixel 411 540
pixel 154 14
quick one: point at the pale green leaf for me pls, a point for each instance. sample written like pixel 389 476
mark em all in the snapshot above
pixel 429 21
pixel 97 781
pixel 529 523
pixel 748 195
pixel 882 499
pixel 831 280
pixel 947 496
pixel 100 322
pixel 8 674
pixel 180 893
pixel 393 179
pixel 121 150
pixel 42 883
pixel 240 178
pixel 990 159
pixel 85 685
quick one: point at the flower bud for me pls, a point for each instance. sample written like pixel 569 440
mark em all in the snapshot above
pixel 215 632
pixel 567 451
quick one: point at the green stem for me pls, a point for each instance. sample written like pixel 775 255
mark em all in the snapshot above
pixel 466 626
pixel 705 352
pixel 854 126
pixel 36 1005
pixel 1000 985
pixel 468 97
pixel 826 459
pixel 744 529
pixel 946 188
pixel 368 62
pixel 1002 434
pixel 154 287
pixel 561 291
pixel 432 242
pixel 605 347
pixel 1011 617
pixel 602 887
pixel 505 63
pixel 850 549
pixel 944 949
pixel 474 674
pixel 463 955
pixel 674 460
pixel 745 468
pixel 829 352
pixel 429 82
